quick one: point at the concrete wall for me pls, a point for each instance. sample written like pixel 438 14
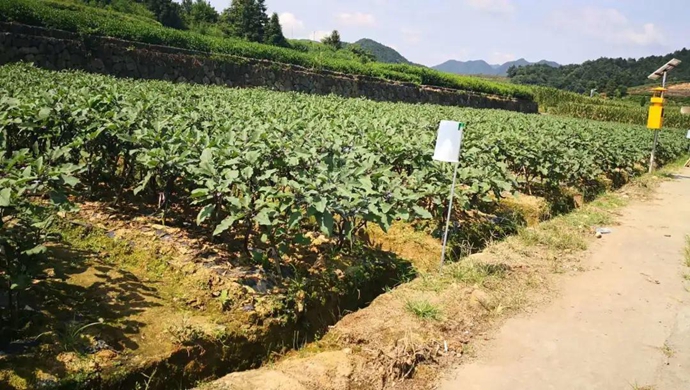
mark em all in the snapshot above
pixel 55 49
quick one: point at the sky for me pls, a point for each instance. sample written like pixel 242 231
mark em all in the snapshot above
pixel 433 31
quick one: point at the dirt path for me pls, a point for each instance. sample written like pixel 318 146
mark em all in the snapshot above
pixel 625 324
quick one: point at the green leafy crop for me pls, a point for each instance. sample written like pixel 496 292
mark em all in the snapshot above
pixel 266 171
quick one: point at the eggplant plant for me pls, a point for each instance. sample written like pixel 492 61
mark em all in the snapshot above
pixel 267 169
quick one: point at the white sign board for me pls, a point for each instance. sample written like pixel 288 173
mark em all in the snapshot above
pixel 448 141
pixel 687 135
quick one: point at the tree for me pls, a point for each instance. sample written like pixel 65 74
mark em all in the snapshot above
pixel 167 12
pixel 199 11
pixel 333 40
pixel 274 32
pixel 245 19
pixel 610 89
pixel 262 13
pixel 362 54
pixel 187 6
pixel 622 91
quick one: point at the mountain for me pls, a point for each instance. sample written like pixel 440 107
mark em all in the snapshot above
pixel 466 67
pixel 382 52
pixel 503 69
pixel 482 67
pixel 608 75
pixel 549 63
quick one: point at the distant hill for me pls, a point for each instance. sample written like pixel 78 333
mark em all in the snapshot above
pixel 608 75
pixel 481 67
pixel 382 52
pixel 466 67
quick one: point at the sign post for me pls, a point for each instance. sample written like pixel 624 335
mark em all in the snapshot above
pixel 448 144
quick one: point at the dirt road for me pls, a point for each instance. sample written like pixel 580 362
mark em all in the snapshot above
pixel 624 324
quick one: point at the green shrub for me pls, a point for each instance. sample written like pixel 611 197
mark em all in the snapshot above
pixel 90 20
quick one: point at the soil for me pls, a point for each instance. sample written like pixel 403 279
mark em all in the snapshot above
pixel 121 301
pixel 624 324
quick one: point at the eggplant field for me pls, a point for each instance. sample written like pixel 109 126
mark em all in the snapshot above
pixel 264 172
pixel 265 167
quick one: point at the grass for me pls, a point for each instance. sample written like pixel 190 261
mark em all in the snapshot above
pixel 475 273
pixel 119 252
pixel 667 350
pixel 645 185
pixel 423 309
pixel 638 387
pixel 72 337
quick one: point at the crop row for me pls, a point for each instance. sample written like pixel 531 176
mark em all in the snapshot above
pixel 261 169
pixel 93 21
pixel 619 113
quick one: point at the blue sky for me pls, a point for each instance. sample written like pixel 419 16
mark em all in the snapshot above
pixel 433 31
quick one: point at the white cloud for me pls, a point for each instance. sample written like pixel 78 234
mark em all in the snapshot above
pixel 501 58
pixel 411 35
pixel 609 25
pixel 295 28
pixel 290 23
pixel 319 35
pixel 649 35
pixel 356 19
pixel 492 6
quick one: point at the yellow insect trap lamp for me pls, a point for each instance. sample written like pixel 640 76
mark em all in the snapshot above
pixel 655 121
pixel 656 111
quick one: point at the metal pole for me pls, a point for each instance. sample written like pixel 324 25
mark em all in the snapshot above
pixel 651 159
pixel 450 209
pixel 656 132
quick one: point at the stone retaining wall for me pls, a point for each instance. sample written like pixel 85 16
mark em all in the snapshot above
pixel 57 50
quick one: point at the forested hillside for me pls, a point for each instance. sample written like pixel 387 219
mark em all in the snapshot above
pixel 608 75
pixel 381 52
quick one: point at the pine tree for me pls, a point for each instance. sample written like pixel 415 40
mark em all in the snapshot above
pixel 245 19
pixel 262 13
pixel 333 40
pixel 274 32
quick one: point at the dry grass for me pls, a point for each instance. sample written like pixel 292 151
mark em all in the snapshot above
pixel 422 250
pixel 532 208
pixel 667 350
pixel 420 327
pixel 638 387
